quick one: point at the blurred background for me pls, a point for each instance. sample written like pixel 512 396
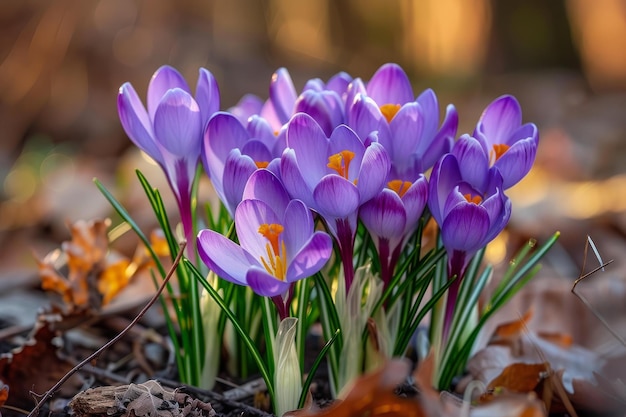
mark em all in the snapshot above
pixel 62 62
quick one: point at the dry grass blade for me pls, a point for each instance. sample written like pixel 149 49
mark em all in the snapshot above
pixel 583 276
pixel 96 354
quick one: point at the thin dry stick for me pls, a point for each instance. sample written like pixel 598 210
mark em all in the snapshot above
pixel 111 342
pixel 588 274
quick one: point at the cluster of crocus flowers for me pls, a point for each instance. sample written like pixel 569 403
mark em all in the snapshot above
pixel 355 155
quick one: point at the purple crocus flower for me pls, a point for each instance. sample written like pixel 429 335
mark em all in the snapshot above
pixel 170 130
pixel 501 142
pixel 468 217
pixel 391 217
pixel 334 176
pixel 278 244
pixel 408 128
pixel 232 152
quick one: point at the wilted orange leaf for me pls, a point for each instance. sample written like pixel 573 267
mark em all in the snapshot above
pixel 113 279
pixel 92 279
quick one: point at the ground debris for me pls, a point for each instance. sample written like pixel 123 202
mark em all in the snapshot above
pixel 149 399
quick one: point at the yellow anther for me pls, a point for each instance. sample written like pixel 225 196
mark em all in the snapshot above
pixel 476 199
pixel 340 162
pixel 498 150
pixel 276 261
pixel 389 111
pixel 399 186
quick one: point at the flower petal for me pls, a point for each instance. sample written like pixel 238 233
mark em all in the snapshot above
pixel 223 133
pixel 430 111
pixel 465 228
pixel 265 284
pixel 364 116
pixel 407 130
pixel 227 259
pixel 298 223
pixel 473 161
pixel 237 170
pixel 516 162
pixel 282 94
pixel 414 201
pixel 178 124
pixel 336 197
pixel 444 177
pixel 295 183
pixel 390 85
pixel 264 185
pixel 136 122
pixel 500 119
pixel 310 144
pixel 207 95
pixel 443 141
pixel 373 171
pixel 251 214
pixel 339 83
pixel 248 106
pixel 384 215
pixel 312 257
pixel 164 79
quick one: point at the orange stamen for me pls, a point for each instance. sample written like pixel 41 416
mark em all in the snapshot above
pixel 498 150
pixel 261 164
pixel 389 111
pixel 340 162
pixel 476 199
pixel 276 261
pixel 399 186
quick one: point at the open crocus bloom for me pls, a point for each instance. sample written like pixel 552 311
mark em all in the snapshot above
pixel 170 130
pixel 501 142
pixel 278 244
pixel 334 176
pixel 408 128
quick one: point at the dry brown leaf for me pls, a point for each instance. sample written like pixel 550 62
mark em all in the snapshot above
pixel 446 404
pixel 513 329
pixel 572 371
pixel 35 367
pixel 149 399
pixel 372 395
pixel 521 377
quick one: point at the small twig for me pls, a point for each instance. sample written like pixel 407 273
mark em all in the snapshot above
pixel 96 354
pixel 588 274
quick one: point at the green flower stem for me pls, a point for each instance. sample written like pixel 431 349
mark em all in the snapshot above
pixel 249 343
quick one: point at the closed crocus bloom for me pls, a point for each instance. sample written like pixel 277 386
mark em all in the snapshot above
pixel 468 218
pixel 322 102
pixel 391 217
pixel 334 176
pixel 278 243
pixel 508 145
pixel 231 152
pixel 170 129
